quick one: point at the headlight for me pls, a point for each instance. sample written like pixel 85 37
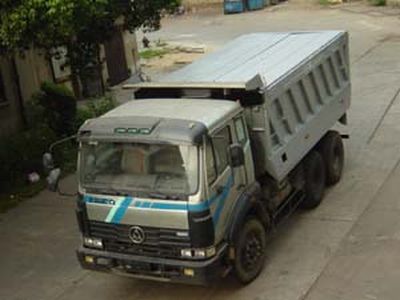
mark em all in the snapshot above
pixel 186 252
pixel 93 242
pixel 198 253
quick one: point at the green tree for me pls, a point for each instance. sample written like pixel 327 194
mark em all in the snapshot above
pixel 78 25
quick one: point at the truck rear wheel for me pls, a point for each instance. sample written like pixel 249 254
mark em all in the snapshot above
pixel 332 152
pixel 250 251
pixel 315 177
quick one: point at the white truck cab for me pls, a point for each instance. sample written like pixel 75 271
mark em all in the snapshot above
pixel 163 167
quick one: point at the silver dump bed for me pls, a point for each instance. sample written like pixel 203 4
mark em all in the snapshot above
pixel 303 79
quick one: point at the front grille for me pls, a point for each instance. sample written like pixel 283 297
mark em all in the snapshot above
pixel 158 242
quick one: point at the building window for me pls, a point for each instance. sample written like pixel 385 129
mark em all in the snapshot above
pixel 3 98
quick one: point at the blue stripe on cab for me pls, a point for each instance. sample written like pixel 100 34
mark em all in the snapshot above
pixel 146 205
pixel 169 206
pixel 198 207
pixel 222 199
pixel 120 213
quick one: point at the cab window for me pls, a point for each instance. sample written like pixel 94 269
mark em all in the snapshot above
pixel 210 163
pixel 221 141
pixel 240 131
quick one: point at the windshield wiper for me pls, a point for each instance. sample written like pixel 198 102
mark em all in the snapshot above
pixel 162 196
pixel 158 196
pixel 108 191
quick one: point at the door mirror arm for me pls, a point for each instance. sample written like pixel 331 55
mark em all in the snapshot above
pixel 220 190
pixel 54 173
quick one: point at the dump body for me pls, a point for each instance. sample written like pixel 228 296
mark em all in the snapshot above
pixel 295 86
pixel 302 105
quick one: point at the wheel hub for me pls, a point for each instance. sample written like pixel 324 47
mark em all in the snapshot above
pixel 252 251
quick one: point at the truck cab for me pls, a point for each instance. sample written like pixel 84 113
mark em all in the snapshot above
pixel 158 181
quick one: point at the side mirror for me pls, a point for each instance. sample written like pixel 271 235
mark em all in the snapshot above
pixel 53 179
pixel 48 162
pixel 236 155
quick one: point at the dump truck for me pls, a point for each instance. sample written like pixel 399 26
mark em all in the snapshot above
pixel 187 182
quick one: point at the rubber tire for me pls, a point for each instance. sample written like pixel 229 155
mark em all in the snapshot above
pixel 332 151
pixel 315 178
pixel 242 275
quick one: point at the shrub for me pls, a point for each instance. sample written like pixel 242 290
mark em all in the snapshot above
pixel 94 108
pixel 57 104
pixel 101 106
pixel 35 113
pixel 51 115
pixel 378 2
pixel 21 154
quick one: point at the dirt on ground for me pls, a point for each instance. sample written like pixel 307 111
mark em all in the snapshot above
pixel 174 57
pixel 154 67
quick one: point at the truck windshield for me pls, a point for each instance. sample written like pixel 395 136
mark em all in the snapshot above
pixel 151 170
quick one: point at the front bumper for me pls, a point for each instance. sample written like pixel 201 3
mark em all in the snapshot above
pixel 153 268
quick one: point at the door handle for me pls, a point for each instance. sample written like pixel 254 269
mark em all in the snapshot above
pixel 220 190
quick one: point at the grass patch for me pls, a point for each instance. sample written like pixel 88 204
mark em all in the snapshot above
pixel 152 53
pixel 328 2
pixel 377 2
pixel 324 2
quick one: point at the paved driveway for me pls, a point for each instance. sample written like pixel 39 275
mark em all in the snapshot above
pixel 346 249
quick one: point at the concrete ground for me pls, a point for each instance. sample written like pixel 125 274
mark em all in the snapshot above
pixel 348 248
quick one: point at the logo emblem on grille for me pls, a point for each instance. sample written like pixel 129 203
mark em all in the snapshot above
pixel 137 235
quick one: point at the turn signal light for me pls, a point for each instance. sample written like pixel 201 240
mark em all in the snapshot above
pixel 89 259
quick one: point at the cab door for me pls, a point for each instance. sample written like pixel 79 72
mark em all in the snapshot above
pixel 241 136
pixel 223 183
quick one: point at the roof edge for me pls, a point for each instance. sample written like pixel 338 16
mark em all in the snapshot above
pixel 253 84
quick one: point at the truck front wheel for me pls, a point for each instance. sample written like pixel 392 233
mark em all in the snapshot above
pixel 250 251
pixel 315 176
